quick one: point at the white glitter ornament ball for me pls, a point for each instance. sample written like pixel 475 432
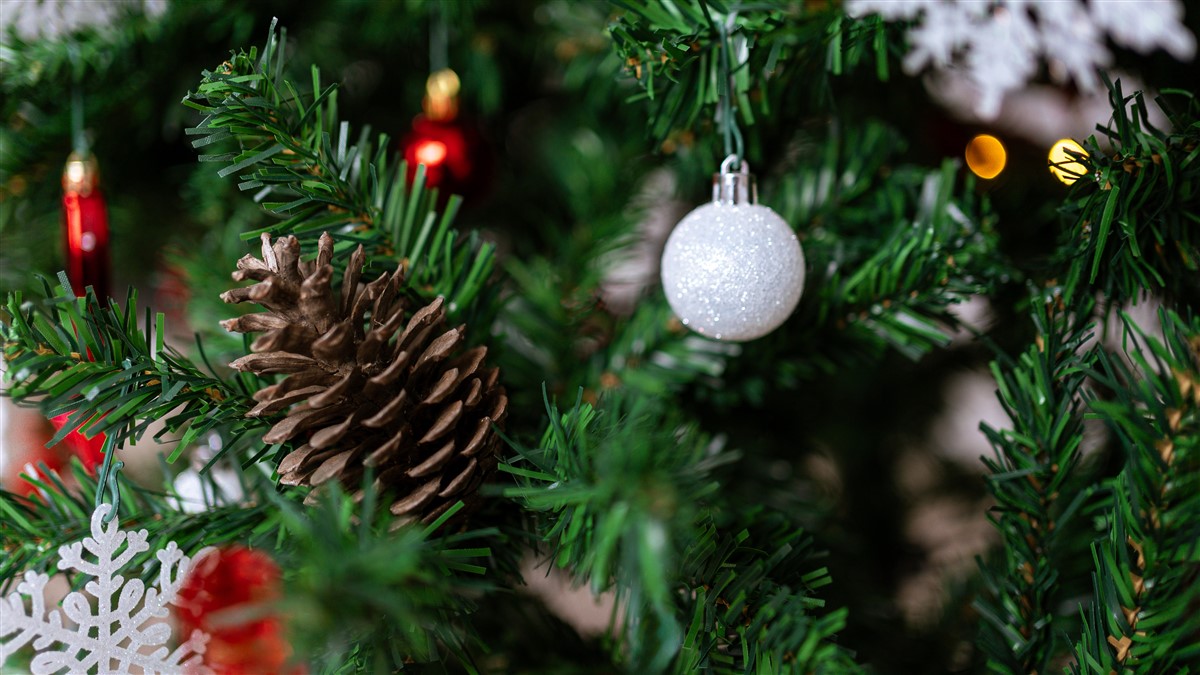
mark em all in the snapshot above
pixel 733 269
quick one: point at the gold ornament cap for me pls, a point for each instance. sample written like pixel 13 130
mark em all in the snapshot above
pixel 441 96
pixel 81 174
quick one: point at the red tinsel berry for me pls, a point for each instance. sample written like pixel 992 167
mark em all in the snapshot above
pixel 228 594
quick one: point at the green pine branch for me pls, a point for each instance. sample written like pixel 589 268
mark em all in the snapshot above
pixel 73 355
pixel 674 49
pixel 364 596
pixel 32 528
pixel 625 499
pixel 617 492
pixel 306 167
pixel 1135 214
pixel 754 608
pixel 1035 479
pixel 1144 617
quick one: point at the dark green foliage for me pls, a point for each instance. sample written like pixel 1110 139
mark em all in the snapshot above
pixel 687 54
pixel 1135 215
pixel 369 598
pixel 643 514
pixel 897 290
pixel 1147 575
pixel 1036 482
pixel 617 506
pixel 754 609
pixel 1125 215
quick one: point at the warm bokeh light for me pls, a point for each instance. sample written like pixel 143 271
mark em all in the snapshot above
pixel 431 153
pixel 1068 170
pixel 441 95
pixel 986 156
pixel 76 170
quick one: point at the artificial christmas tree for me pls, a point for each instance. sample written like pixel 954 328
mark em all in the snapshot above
pixel 802 501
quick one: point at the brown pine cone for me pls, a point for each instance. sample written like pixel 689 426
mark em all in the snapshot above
pixel 414 406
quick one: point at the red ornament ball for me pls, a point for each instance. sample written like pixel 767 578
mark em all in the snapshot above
pixel 456 157
pixel 228 594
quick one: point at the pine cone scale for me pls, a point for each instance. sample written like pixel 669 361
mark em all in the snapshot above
pixel 311 378
pixel 277 403
pixel 340 389
pixel 250 323
pixel 442 388
pixel 435 461
pixel 384 453
pixel 389 413
pixel 390 374
pixel 476 443
pixel 439 349
pixel 445 422
pixel 273 362
pixel 460 481
pixel 302 419
pixel 416 499
pixel 331 468
pixel 329 436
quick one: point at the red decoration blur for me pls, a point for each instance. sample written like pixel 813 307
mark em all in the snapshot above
pixel 228 594
pixel 25 451
pixel 457 159
pixel 85 226
pixel 90 451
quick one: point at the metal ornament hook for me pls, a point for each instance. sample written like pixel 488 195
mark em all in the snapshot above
pixel 734 187
pixel 106 480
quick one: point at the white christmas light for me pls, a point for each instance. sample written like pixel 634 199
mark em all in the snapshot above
pixel 733 269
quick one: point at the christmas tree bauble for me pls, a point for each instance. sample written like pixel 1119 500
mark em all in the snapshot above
pixel 456 157
pixel 228 594
pixel 733 269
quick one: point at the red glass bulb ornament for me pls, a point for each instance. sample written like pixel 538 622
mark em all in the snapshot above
pixel 85 226
pixel 455 155
pixel 228 594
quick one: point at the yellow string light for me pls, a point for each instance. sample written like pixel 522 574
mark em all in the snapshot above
pixel 1068 170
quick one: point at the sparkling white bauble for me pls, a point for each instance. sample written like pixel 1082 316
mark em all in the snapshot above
pixel 733 271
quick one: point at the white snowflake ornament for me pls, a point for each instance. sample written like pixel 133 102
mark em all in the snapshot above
pixel 127 617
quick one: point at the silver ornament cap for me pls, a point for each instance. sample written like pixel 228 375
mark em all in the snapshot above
pixel 733 269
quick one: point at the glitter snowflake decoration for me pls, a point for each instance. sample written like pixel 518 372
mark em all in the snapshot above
pixel 997 45
pixel 128 617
